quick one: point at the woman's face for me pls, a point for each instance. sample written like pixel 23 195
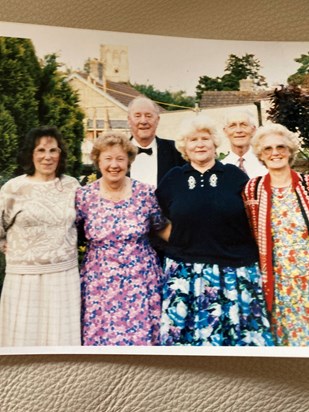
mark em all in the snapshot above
pixel 274 153
pixel 200 149
pixel 114 164
pixel 46 156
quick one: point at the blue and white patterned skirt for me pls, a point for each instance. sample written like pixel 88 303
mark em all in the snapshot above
pixel 204 305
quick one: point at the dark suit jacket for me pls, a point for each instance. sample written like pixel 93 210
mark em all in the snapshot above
pixel 168 157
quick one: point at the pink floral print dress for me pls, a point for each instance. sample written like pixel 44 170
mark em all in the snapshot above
pixel 120 275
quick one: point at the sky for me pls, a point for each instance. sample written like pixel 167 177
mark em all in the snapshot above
pixel 167 63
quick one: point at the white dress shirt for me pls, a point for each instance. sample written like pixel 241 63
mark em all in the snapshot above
pixel 251 163
pixel 145 166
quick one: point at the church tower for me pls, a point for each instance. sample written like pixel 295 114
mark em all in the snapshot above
pixel 115 63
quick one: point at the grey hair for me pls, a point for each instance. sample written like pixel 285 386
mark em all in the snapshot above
pixel 191 125
pixel 156 108
pixel 235 113
pixel 291 139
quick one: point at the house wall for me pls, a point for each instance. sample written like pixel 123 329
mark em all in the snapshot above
pixel 96 106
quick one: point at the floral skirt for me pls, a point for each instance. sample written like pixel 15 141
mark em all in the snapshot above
pixel 204 305
pixel 290 314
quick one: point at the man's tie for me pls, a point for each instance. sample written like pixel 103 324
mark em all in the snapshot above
pixel 241 164
pixel 143 150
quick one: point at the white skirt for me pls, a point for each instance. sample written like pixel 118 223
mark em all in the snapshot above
pixel 40 310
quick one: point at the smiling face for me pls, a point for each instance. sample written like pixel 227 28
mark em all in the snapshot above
pixel 143 121
pixel 274 152
pixel 200 149
pixel 239 131
pixel 46 156
pixel 114 164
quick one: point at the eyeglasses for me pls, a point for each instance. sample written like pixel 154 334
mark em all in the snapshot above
pixel 54 152
pixel 280 148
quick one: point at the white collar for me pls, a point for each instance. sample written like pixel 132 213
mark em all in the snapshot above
pixel 152 144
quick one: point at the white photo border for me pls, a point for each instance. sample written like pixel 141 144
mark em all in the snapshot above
pixel 24 31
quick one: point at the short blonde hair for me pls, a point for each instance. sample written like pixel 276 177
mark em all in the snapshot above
pixel 291 139
pixel 189 126
pixel 110 139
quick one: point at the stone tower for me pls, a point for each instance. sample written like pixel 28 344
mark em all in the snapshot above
pixel 115 63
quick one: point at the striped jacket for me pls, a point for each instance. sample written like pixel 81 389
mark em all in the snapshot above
pixel 257 199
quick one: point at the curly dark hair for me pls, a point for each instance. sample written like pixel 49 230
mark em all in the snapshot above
pixel 32 139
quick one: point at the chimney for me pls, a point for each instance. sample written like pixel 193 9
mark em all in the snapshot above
pixel 246 85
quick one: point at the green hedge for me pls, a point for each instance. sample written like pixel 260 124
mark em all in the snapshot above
pixel 2 269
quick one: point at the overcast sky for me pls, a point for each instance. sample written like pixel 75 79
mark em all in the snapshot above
pixel 168 63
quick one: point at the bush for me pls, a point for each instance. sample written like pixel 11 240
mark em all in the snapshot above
pixel 2 269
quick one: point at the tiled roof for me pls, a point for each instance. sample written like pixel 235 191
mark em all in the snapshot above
pixel 231 98
pixel 123 92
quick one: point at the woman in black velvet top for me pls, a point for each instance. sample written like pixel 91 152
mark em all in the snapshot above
pixel 213 292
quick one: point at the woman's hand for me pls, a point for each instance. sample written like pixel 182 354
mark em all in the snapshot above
pixel 3 246
pixel 165 232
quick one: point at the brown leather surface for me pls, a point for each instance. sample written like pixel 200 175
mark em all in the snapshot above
pixel 212 19
pixel 153 383
pixel 109 383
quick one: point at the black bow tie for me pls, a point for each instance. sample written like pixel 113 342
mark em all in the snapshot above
pixel 143 150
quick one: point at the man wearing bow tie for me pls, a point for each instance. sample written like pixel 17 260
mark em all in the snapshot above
pixel 155 156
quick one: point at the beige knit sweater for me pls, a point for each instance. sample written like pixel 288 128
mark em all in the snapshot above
pixel 37 222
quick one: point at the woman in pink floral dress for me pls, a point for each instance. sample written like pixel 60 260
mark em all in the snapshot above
pixel 278 207
pixel 120 274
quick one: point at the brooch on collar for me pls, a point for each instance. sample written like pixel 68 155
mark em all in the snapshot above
pixel 213 180
pixel 191 182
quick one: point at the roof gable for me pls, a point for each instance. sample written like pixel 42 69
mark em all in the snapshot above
pixel 122 93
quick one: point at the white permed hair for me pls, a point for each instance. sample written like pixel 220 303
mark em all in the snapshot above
pixel 292 140
pixel 191 125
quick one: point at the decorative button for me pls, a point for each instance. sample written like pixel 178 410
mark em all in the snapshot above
pixel 213 180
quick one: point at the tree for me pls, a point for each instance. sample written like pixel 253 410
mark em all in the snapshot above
pixel 301 77
pixel 207 83
pixel 168 100
pixel 87 66
pixel 58 105
pixel 237 68
pixel 244 67
pixel 34 93
pixel 290 107
pixel 8 145
pixel 19 82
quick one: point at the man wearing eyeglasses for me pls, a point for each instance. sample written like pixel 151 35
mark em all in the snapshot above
pixel 239 128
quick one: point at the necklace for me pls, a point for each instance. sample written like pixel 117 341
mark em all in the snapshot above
pixel 117 194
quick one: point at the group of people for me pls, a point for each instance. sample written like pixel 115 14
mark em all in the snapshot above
pixel 182 249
